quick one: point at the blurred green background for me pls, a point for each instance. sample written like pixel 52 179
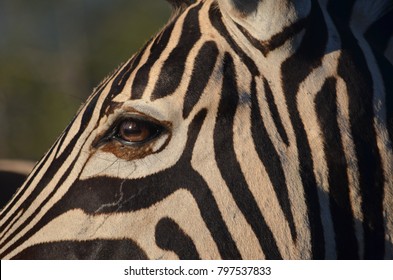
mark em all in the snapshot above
pixel 53 53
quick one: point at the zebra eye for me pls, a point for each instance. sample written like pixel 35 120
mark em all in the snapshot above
pixel 136 131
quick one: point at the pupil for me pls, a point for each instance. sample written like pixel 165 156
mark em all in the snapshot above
pixel 135 131
pixel 131 128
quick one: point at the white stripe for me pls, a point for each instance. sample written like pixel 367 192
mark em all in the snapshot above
pixel 138 226
pixel 27 193
pixel 344 124
pixel 308 90
pixel 67 183
pixel 258 180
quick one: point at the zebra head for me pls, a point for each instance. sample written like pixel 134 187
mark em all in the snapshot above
pixel 234 133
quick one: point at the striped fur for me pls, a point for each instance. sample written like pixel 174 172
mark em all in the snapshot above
pixel 278 136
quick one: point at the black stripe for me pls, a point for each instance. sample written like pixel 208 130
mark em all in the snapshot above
pixel 271 160
pixel 142 76
pixel 57 162
pixel 84 250
pixel 52 170
pixel 118 84
pixel 105 82
pixel 172 71
pixel 380 32
pixel 19 195
pixel 170 237
pixel 274 110
pixel 85 120
pixel 120 80
pixel 30 200
pixel 343 220
pixel 215 17
pixel 202 193
pixel 201 74
pixel 277 40
pixel 23 206
pixel 142 193
pixel 229 166
pixel 354 71
pixel 294 70
pixel 33 176
pixel 378 36
pixel 386 69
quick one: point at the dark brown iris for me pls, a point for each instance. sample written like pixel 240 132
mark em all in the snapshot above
pixel 135 131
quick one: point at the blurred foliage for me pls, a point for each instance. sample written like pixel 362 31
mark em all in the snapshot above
pixel 53 53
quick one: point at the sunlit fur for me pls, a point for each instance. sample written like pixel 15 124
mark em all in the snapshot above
pixel 278 144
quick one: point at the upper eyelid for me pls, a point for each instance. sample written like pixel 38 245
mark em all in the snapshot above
pixel 142 118
pixel 141 107
pixel 135 117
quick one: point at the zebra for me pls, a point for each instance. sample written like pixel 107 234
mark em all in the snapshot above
pixel 243 130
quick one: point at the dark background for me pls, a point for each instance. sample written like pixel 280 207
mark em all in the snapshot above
pixel 52 55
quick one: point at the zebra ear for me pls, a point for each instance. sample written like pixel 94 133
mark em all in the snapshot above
pixel 240 8
pixel 265 18
pixel 180 4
